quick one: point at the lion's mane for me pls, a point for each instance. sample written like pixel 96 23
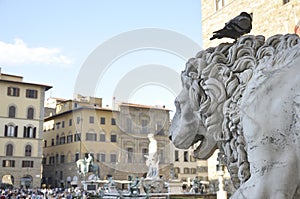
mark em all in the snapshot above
pixel 217 78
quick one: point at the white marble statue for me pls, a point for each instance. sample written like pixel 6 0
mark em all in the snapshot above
pixel 244 98
pixel 89 160
pixel 87 165
pixel 152 160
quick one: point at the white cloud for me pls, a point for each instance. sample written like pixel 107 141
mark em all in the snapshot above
pixel 19 53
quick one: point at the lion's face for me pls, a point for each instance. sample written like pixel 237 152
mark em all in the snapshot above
pixel 187 128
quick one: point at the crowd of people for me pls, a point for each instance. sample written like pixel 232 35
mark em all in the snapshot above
pixel 56 193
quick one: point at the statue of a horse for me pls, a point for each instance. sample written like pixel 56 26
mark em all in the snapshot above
pixel 84 167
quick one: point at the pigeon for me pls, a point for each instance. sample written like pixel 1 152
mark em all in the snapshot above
pixel 236 27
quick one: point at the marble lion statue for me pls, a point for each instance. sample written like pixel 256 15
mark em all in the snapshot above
pixel 244 99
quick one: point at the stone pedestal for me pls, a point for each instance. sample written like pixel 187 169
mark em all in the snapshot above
pixel 175 186
pixel 154 186
pixel 221 194
pixel 89 185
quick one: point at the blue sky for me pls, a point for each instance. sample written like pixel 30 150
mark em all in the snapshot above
pixel 50 41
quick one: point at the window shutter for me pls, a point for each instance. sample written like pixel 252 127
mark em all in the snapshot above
pixel 24 132
pixel 5 130
pixel 34 132
pixel 16 131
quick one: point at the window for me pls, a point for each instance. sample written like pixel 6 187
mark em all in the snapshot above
pixel 144 152
pixel 113 138
pixel 128 125
pixel 113 121
pixel 69 138
pixel 70 122
pixel 63 124
pixel 176 156
pixel 9 150
pixel 12 112
pixel 26 163
pixel 186 170
pixel 51 160
pixel 13 91
pixel 77 137
pixel 202 169
pixel 129 155
pixel 61 175
pixel 113 158
pixel 101 157
pixel 102 120
pixel 91 119
pixel 62 159
pixel 57 140
pixel 8 163
pixel 62 140
pixel 30 113
pixel 52 142
pixel 45 143
pixel 57 125
pixel 30 93
pixel 91 137
pixel 11 130
pixel 159 129
pixel 29 132
pixel 28 151
pixel 219 4
pixel 78 120
pixel 177 170
pixel 185 156
pixel 144 126
pixel 102 137
pixel 76 156
pixel 56 158
pixel 193 171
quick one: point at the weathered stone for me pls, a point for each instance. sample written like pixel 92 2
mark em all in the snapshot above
pixel 244 98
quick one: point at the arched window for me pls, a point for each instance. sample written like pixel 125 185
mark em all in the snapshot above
pixel 29 132
pixel 10 130
pixel 30 113
pixel 28 150
pixel 9 150
pixel 62 139
pixel 12 112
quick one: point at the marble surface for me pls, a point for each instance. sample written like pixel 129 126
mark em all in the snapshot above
pixel 244 98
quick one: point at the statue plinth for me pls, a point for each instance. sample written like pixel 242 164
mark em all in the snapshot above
pixel 156 185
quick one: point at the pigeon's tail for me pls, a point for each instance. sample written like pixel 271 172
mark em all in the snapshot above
pixel 218 34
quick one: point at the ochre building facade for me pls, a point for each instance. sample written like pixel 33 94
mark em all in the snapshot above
pixel 21 131
pixel 117 139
